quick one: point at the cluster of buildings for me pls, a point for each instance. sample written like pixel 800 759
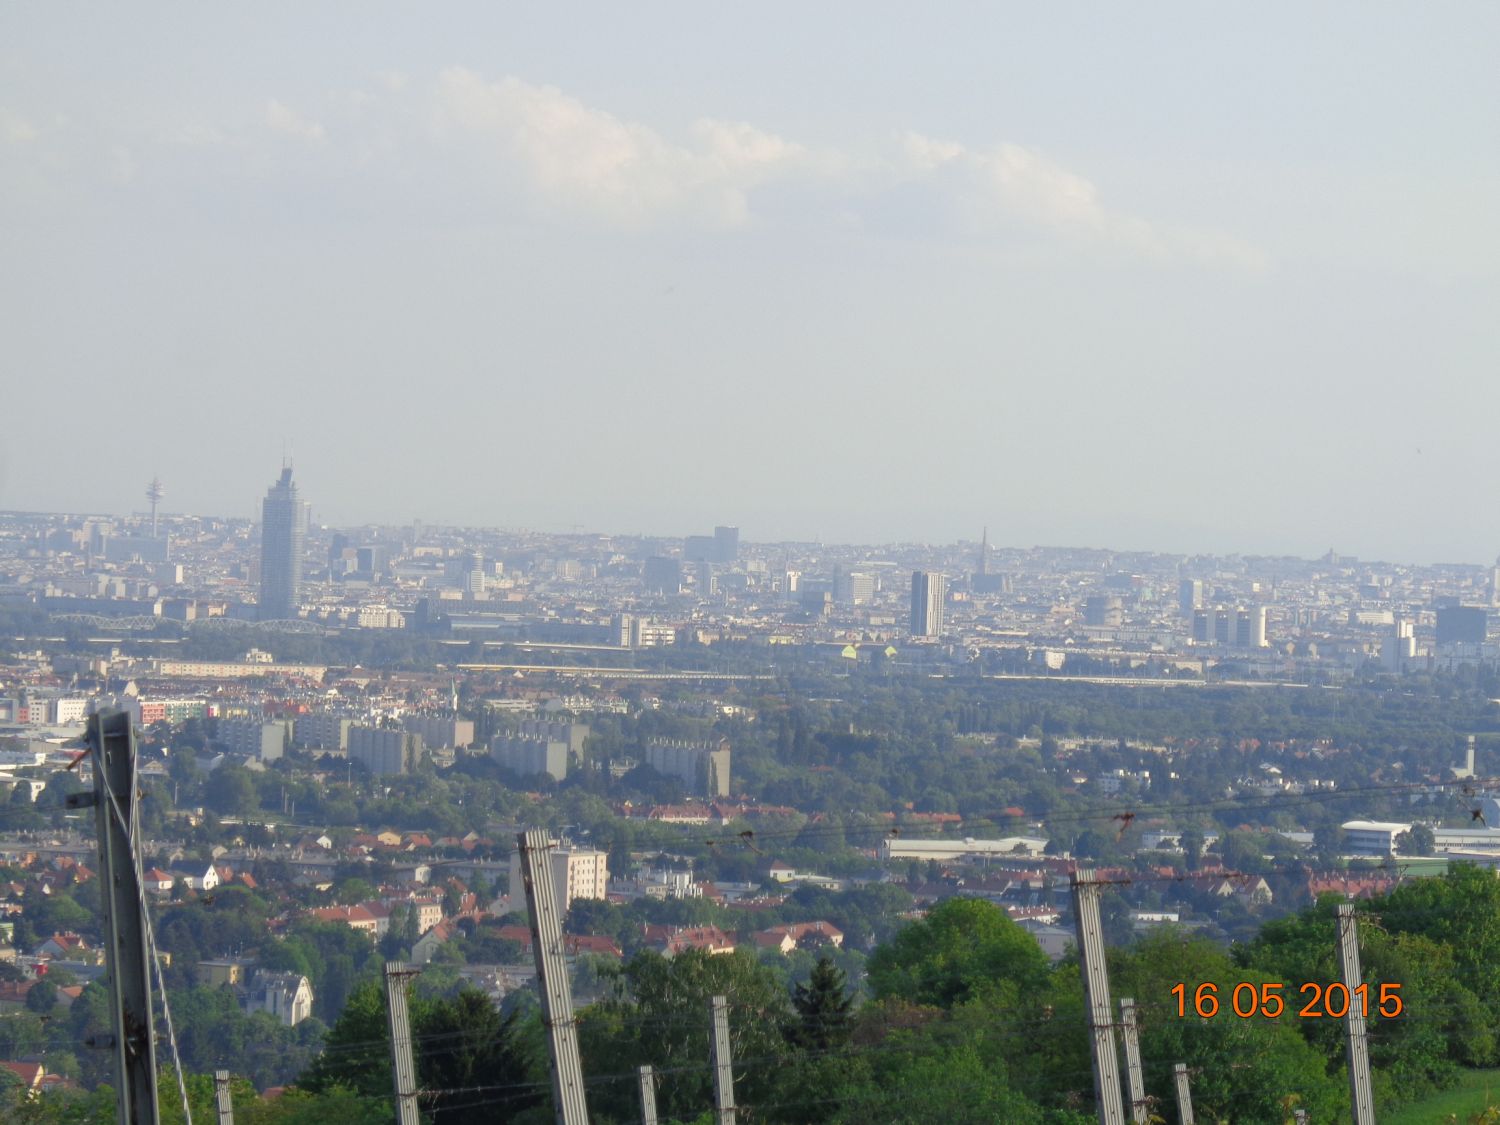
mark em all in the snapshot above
pixel 1044 610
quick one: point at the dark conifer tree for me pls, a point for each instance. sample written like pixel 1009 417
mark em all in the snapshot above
pixel 823 1005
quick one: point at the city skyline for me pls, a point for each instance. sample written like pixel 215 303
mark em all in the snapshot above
pixel 683 531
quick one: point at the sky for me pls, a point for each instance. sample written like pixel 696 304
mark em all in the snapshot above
pixel 1184 277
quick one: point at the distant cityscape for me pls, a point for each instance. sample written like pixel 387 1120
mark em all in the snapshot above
pixel 1038 610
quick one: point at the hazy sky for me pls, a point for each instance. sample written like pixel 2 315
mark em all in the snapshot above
pixel 1175 276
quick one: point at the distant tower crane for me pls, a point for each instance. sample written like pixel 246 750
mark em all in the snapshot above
pixel 154 493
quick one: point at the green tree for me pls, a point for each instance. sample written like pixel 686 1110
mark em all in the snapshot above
pixel 352 890
pixel 823 1009
pixel 1328 843
pixel 356 1054
pixel 1192 846
pixel 660 1015
pixel 964 948
pixel 230 791
pixel 467 1044
pixel 1243 851
pixel 41 997
pixel 918 1081
pixel 1242 1068
pixel 303 1107
pixel 1460 910
pixel 1415 1054
pixel 1418 840
pixel 461 1042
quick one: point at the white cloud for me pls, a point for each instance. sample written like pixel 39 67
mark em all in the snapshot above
pixel 283 119
pixel 474 141
pixel 1012 184
pixel 925 153
pixel 577 157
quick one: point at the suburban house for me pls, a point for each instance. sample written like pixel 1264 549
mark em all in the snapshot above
pixel 199 877
pixel 63 947
pixel 672 940
pixel 355 917
pixel 799 935
pixel 287 996
pixel 159 882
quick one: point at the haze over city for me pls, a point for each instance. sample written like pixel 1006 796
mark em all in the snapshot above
pixel 807 564
pixel 1179 280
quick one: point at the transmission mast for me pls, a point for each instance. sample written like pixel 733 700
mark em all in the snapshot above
pixel 154 493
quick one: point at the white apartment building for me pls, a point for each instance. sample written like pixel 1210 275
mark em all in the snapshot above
pixel 576 873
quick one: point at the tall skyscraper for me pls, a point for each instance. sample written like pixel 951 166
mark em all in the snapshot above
pixel 726 544
pixel 927 593
pixel 283 533
pixel 1189 596
pixel 473 578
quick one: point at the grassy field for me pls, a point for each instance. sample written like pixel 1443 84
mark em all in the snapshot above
pixel 1478 1089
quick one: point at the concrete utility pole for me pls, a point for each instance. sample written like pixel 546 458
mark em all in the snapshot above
pixel 403 1068
pixel 1096 997
pixel 1134 1079
pixel 111 742
pixel 221 1096
pixel 1184 1095
pixel 648 1097
pixel 723 1062
pixel 1360 1098
pixel 569 1105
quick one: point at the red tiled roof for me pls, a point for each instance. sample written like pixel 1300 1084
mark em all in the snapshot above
pixel 776 936
pixel 30 1074
pixel 678 939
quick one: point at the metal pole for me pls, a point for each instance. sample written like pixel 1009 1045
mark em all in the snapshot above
pixel 221 1096
pixel 111 743
pixel 1096 997
pixel 569 1105
pixel 723 1062
pixel 1360 1098
pixel 648 1097
pixel 1133 1077
pixel 1184 1095
pixel 403 1069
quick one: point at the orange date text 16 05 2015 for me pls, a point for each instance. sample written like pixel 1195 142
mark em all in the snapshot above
pixel 1316 1000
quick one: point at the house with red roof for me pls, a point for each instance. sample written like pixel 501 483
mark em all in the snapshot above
pixel 799 935
pixel 1351 884
pixel 425 948
pixel 159 882
pixel 32 1075
pixel 601 945
pixel 680 814
pixel 672 940
pixel 573 944
pixel 63 947
pixel 355 917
